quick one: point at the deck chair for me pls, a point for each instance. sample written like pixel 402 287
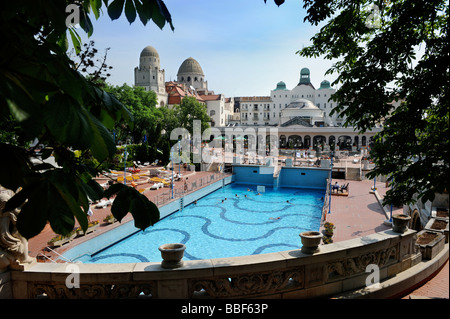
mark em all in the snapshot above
pixel 343 188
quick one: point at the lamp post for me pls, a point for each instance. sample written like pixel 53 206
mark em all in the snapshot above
pixel 179 155
pixel 125 166
pixel 171 159
pixel 331 176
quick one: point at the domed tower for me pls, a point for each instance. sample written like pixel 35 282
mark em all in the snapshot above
pixel 304 76
pixel 191 73
pixel 149 58
pixel 325 85
pixel 281 86
pixel 149 74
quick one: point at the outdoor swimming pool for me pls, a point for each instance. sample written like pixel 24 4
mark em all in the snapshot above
pixel 222 224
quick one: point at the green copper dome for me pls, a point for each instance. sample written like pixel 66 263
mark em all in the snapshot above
pixel 304 76
pixel 325 85
pixel 281 86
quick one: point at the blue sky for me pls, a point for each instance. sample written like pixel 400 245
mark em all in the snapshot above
pixel 244 46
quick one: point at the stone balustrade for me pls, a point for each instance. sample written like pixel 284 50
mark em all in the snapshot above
pixel 335 269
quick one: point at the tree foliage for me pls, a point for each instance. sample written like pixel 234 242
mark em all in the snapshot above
pixel 142 105
pixel 189 110
pixel 392 51
pixel 42 95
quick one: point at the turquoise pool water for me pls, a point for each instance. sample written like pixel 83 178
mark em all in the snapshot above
pixel 222 224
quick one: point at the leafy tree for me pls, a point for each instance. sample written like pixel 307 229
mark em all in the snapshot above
pixel 376 46
pixel 142 105
pixel 189 110
pixel 46 97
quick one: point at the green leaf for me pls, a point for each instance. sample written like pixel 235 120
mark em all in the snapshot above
pixel 165 12
pixel 85 22
pixel 96 5
pixel 115 9
pixel 121 205
pixel 76 40
pixel 130 11
pixel 68 121
pixel 103 145
pixel 33 215
pixel 128 199
pixel 157 16
pixel 145 213
pixel 16 166
pixel 114 189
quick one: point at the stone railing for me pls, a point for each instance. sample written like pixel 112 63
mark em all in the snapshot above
pixel 335 269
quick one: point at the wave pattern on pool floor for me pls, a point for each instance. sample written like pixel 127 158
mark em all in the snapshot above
pixel 225 225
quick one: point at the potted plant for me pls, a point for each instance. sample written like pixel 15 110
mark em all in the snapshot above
pixel 91 227
pixel 110 219
pixel 310 241
pixel 400 222
pixel 328 232
pixel 430 243
pixel 172 255
pixel 60 240
pixel 329 228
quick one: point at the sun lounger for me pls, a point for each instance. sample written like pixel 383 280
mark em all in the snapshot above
pixel 157 186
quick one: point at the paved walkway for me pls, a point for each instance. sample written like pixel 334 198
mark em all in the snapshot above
pixel 360 214
pixel 356 215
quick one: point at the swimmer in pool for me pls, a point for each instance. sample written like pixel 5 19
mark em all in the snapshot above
pixel 275 218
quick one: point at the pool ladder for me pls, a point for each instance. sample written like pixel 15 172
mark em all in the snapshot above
pixel 181 203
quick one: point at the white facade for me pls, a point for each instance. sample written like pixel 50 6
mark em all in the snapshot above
pixel 149 74
pixel 255 110
pixel 282 98
pixel 219 108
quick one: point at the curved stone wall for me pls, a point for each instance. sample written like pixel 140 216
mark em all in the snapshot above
pixel 359 263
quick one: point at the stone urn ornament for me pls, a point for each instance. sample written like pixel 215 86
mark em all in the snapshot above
pixel 400 223
pixel 172 255
pixel 310 241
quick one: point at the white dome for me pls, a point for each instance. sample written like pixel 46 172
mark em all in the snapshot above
pixel 149 58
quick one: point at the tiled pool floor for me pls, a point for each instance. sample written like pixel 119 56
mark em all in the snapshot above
pixel 233 221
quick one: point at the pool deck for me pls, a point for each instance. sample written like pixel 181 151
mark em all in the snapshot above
pixel 355 215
